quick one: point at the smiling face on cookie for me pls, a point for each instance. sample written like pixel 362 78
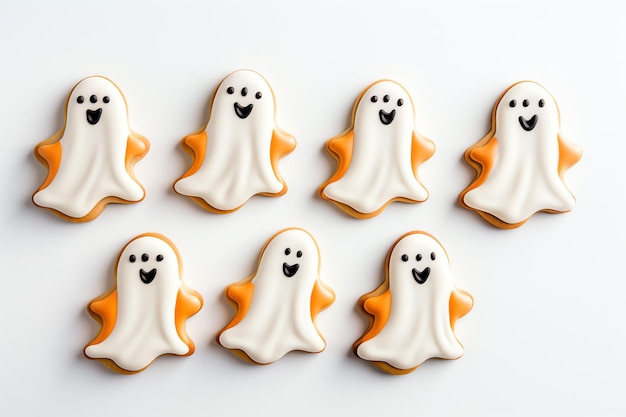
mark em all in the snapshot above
pixel 418 262
pixel 289 270
pixel 385 103
pixel 244 95
pixel 527 108
pixel 291 254
pixel 147 261
pixel 95 101
pixel 422 275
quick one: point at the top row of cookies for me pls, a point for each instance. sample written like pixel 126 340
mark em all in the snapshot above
pixel 519 163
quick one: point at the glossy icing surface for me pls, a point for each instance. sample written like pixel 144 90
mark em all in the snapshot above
pixel 238 155
pixel 380 164
pixel 94 154
pixel 522 160
pixel 144 316
pixel 286 295
pixel 414 311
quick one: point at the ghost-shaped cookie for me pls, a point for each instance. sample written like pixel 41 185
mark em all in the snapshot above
pixel 90 160
pixel 521 162
pixel 144 316
pixel 413 312
pixel 277 306
pixel 236 155
pixel 379 155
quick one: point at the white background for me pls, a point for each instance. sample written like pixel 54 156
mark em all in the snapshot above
pixel 546 335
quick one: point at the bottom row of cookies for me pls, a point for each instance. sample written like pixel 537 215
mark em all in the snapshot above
pixel 411 315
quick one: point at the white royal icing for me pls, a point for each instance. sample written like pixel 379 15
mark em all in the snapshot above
pixel 279 318
pixel 93 161
pixel 381 168
pixel 418 327
pixel 145 327
pixel 237 164
pixel 524 178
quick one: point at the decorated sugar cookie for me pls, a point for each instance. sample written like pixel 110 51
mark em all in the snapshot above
pixel 90 160
pixel 236 155
pixel 379 155
pixel 144 315
pixel 413 313
pixel 277 306
pixel 521 162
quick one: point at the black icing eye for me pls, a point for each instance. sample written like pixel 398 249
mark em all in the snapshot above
pixel 525 103
pixel 400 102
pixel 432 256
pixel 418 257
pixel 258 95
pixel 93 99
pixel 541 103
pixel 374 99
pixel 145 257
pixel 132 258
pixel 159 258
pixel 386 99
pixel 105 99
pixel 80 99
pixel 512 103
pixel 230 90
pixel 244 91
pixel 287 251
pixel 405 258
pixel 299 254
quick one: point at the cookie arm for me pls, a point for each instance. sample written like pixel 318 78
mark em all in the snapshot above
pixel 104 310
pixel 485 155
pixel 188 303
pixel 481 157
pixel 340 148
pixel 378 307
pixel 321 298
pixel 461 302
pixel 136 148
pixel 421 150
pixel 195 145
pixel 282 144
pixel 241 296
pixel 50 156
pixel 569 154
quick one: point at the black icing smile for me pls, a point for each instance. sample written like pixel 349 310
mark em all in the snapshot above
pixel 290 270
pixel 386 118
pixel 243 112
pixel 147 277
pixel 421 277
pixel 93 116
pixel 529 124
